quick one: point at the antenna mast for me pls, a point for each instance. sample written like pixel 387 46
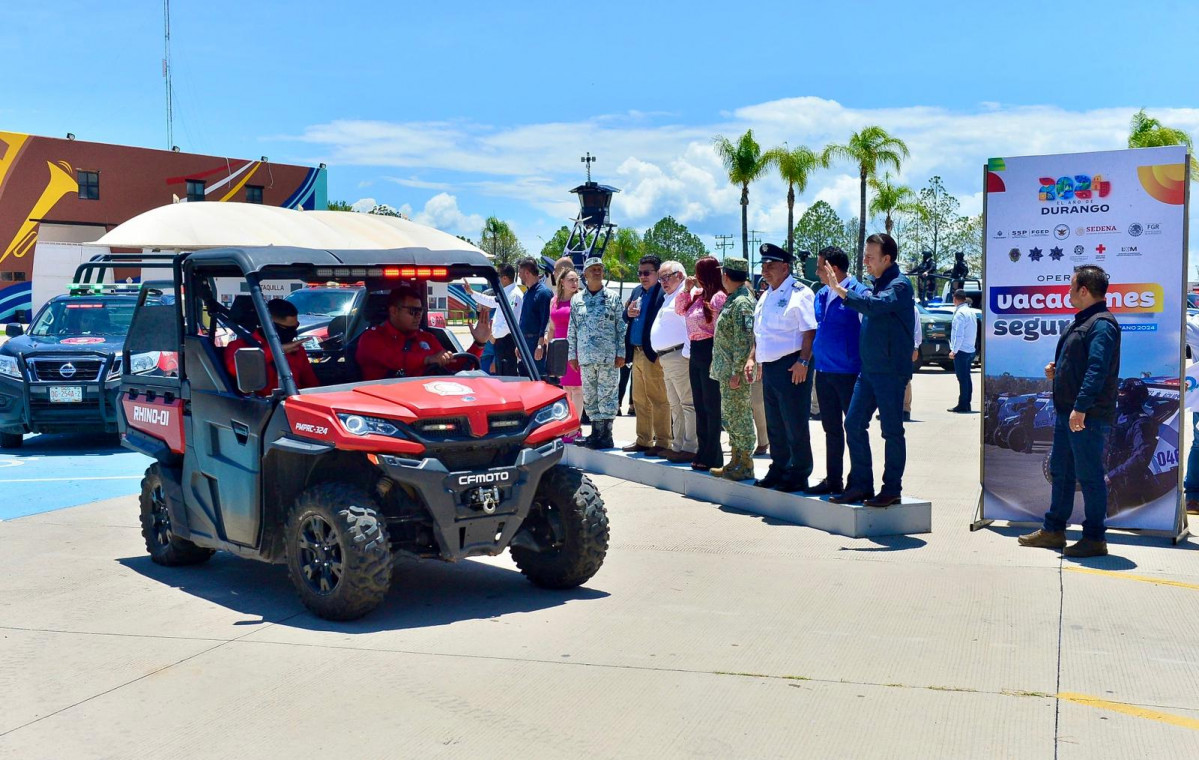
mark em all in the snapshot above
pixel 166 71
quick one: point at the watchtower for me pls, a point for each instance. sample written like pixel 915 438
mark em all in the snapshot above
pixel 592 229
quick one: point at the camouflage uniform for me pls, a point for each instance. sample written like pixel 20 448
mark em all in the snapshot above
pixel 734 339
pixel 595 338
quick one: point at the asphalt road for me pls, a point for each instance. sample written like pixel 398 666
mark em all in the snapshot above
pixel 51 472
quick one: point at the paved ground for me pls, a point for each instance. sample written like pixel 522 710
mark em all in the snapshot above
pixel 708 633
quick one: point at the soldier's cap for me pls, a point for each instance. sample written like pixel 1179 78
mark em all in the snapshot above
pixel 593 261
pixel 771 252
pixel 735 264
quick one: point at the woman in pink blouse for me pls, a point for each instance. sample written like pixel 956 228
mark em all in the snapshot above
pixel 700 303
pixel 572 382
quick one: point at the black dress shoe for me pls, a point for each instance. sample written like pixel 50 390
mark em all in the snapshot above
pixel 959 410
pixel 789 485
pixel 770 481
pixel 852 497
pixel 883 500
pixel 824 487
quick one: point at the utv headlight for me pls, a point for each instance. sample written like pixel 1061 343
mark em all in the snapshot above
pixel 555 412
pixel 9 368
pixel 361 424
pixel 141 363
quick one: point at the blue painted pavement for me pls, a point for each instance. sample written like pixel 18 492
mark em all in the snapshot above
pixel 56 471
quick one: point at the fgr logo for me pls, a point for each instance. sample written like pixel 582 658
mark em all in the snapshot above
pixel 305 427
pixel 484 478
pixel 152 415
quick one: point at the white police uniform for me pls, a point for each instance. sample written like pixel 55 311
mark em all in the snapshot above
pixel 781 317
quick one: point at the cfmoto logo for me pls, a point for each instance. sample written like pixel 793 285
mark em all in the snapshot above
pixel 67 370
pixel 484 478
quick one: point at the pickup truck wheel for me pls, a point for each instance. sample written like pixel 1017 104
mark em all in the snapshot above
pixel 11 440
pixel 338 552
pixel 568 521
pixel 164 546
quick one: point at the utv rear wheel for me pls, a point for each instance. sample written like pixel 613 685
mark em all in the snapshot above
pixel 338 552
pixel 569 522
pixel 11 440
pixel 164 546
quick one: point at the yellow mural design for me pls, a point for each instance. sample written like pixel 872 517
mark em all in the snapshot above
pixel 12 146
pixel 241 183
pixel 61 183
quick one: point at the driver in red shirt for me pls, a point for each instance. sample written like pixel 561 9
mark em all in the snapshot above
pixel 399 348
pixel 286 318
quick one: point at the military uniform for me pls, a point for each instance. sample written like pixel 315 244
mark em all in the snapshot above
pixel 732 343
pixel 595 339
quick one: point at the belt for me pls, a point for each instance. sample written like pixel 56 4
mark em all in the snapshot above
pixel 670 350
pixel 793 357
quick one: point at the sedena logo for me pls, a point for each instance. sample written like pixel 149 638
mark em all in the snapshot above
pixel 152 415
pixel 1127 298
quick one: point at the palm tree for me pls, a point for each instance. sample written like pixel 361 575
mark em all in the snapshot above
pixel 889 199
pixel 744 163
pixel 871 149
pixel 795 166
pixel 1147 132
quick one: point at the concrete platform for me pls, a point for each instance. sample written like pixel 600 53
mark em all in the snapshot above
pixel 910 517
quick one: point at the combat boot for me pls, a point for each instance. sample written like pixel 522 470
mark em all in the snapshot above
pixel 587 441
pixel 740 468
pixel 603 436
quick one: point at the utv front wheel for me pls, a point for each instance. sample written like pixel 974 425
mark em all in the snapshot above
pixel 338 552
pixel 569 524
pixel 164 546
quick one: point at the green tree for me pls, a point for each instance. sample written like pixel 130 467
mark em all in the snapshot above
pixel 671 241
pixel 819 227
pixel 624 250
pixel 498 239
pixel 382 209
pixel 744 163
pixel 554 247
pixel 1147 132
pixel 339 206
pixel 795 167
pixel 890 199
pixel 869 150
pixel 935 213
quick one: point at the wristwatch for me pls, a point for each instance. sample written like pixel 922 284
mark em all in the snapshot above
pixel 806 362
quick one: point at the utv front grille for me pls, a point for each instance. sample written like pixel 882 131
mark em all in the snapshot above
pixel 442 429
pixel 458 458
pixel 66 370
pixel 507 423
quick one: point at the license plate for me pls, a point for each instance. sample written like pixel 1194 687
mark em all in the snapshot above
pixel 66 394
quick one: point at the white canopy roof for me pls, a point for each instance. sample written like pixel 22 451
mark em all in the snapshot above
pixel 194 226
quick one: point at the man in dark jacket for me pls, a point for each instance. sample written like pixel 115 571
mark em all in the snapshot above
pixel 649 384
pixel 1085 375
pixel 535 307
pixel 885 346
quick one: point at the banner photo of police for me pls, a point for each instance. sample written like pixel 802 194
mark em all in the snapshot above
pixel 1124 211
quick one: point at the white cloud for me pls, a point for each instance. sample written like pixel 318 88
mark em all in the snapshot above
pixel 441 211
pixel 363 205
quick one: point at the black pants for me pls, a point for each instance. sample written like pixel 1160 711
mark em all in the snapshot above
pixel 834 391
pixel 626 381
pixel 705 392
pixel 788 408
pixel 505 355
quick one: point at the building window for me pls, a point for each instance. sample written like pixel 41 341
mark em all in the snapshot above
pixel 253 193
pixel 89 185
pixel 195 190
pixel 12 277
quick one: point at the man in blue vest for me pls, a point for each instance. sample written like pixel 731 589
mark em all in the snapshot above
pixel 885 346
pixel 837 363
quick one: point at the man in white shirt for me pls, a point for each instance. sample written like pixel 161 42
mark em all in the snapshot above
pixel 784 328
pixel 962 349
pixel 501 333
pixel 668 338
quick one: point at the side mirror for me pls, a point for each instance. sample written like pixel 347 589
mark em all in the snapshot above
pixel 337 327
pixel 250 364
pixel 13 331
pixel 555 358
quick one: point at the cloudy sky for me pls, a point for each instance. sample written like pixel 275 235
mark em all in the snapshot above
pixel 454 112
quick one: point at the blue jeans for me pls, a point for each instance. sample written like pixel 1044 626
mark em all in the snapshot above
pixel 788 407
pixel 1077 457
pixel 961 367
pixel 488 357
pixel 883 392
pixel 1190 485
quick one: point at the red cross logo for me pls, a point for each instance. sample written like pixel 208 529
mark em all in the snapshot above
pixel 1100 249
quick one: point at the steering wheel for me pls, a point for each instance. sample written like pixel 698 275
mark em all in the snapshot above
pixel 465 356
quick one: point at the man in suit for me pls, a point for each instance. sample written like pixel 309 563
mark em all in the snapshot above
pixel 649 384
pixel 884 343
pixel 535 306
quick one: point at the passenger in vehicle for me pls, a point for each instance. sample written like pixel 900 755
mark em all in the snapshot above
pixel 398 347
pixel 287 323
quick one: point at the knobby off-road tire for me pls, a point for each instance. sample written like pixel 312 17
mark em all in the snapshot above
pixel 569 513
pixel 164 546
pixel 11 440
pixel 338 552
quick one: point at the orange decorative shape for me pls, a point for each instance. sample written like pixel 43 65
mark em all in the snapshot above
pixel 1164 182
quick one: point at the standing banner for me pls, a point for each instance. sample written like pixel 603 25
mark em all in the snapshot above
pixel 1044 215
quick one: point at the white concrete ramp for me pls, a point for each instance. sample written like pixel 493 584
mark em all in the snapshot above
pixel 855 521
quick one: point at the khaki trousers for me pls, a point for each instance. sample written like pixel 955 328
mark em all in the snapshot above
pixel 649 396
pixel 759 405
pixel 676 371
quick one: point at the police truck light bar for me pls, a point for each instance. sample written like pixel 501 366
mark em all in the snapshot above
pixel 424 273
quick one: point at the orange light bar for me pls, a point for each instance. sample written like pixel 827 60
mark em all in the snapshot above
pixel 391 271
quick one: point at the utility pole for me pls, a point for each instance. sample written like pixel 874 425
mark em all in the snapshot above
pixel 754 243
pixel 723 244
pixel 166 71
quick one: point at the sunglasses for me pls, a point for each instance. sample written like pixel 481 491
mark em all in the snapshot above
pixel 415 311
pixel 645 272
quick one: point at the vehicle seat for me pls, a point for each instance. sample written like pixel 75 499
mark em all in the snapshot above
pixel 243 313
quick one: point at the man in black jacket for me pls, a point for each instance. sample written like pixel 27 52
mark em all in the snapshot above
pixel 1085 375
pixel 649 384
pixel 535 308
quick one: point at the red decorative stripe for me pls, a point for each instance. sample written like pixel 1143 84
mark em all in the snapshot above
pixel 232 167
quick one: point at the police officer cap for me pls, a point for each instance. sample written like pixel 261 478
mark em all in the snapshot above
pixel 771 252
pixel 734 264
pixel 593 261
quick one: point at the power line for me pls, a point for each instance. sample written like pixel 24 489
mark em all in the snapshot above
pixel 723 244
